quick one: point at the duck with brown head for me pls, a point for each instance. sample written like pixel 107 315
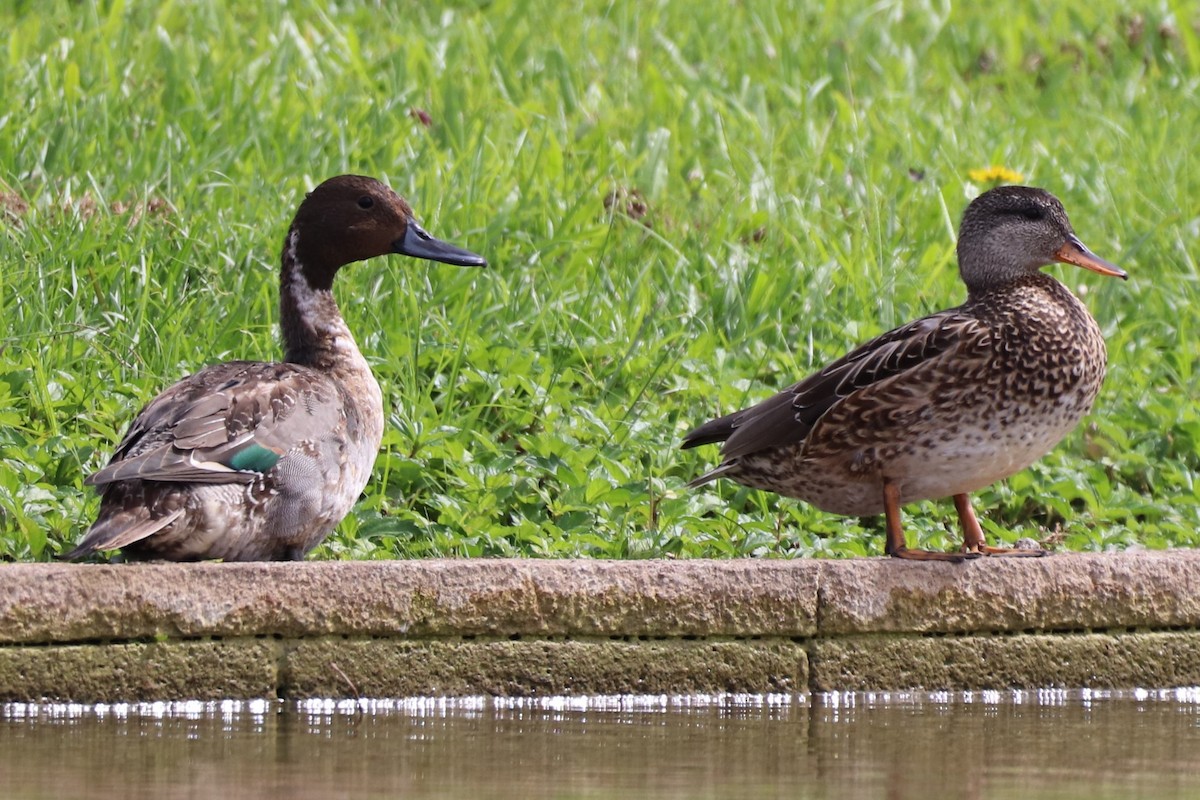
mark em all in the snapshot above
pixel 945 405
pixel 253 461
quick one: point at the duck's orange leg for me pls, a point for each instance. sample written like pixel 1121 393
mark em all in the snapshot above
pixel 895 547
pixel 973 541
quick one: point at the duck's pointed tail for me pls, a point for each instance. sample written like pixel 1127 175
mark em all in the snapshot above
pixel 114 531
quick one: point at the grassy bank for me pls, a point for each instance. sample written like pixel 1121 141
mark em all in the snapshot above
pixel 686 206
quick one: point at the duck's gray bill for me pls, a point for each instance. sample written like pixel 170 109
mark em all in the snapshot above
pixel 419 244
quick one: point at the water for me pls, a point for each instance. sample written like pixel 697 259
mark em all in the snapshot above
pixel 1026 745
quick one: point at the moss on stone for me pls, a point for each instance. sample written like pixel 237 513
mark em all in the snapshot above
pixel 1127 660
pixel 337 667
pixel 134 671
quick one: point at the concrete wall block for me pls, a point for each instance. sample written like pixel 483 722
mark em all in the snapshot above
pixel 373 668
pixel 1102 661
pixel 139 671
pixel 1068 592
pixel 499 597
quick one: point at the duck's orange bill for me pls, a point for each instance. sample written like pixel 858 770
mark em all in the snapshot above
pixel 1075 252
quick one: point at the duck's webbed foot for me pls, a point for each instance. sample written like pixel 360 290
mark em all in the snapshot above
pixel 1015 552
pixel 973 541
pixel 912 554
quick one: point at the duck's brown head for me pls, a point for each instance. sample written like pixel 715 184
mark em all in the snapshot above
pixel 351 218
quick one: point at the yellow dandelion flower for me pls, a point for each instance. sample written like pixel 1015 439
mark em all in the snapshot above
pixel 995 175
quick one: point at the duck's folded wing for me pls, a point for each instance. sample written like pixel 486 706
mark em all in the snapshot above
pixel 789 416
pixel 227 424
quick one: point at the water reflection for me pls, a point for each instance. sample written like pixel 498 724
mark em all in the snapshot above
pixel 895 745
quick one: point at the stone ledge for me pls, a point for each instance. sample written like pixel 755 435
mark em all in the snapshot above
pixel 164 631
pixel 45 603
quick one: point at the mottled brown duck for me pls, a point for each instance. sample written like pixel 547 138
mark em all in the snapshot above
pixel 943 406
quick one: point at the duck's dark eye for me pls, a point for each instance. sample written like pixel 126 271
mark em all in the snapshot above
pixel 366 201
pixel 1033 213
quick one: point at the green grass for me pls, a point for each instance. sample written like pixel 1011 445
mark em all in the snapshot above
pixel 788 180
